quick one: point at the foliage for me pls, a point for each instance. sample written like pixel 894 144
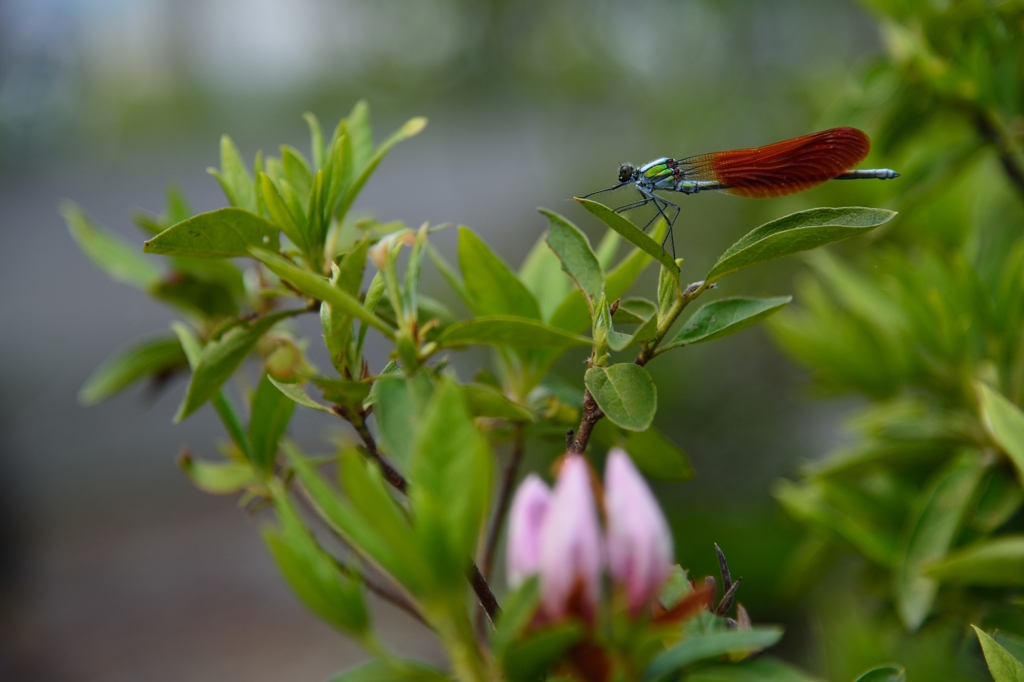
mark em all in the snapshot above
pixel 414 504
pixel 927 327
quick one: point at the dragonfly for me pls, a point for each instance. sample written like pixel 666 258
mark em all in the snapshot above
pixel 774 170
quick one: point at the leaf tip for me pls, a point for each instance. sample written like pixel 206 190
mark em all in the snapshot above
pixel 414 126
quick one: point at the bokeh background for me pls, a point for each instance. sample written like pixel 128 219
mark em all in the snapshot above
pixel 112 566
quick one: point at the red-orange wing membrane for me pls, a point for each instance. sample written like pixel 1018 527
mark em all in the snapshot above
pixel 782 168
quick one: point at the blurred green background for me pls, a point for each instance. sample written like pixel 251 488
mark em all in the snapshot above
pixel 113 566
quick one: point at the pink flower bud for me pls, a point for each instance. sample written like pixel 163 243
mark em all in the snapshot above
pixel 570 545
pixel 529 508
pixel 638 539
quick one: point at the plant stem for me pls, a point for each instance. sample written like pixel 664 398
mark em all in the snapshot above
pixel 358 422
pixel 990 130
pixel 476 579
pixel 591 411
pixel 502 503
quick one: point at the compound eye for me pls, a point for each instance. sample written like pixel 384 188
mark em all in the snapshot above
pixel 625 172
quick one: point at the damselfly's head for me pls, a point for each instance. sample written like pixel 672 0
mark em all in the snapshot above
pixel 627 172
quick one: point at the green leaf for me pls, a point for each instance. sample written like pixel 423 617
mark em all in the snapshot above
pixel 492 286
pixel 119 259
pixel 234 177
pixel 504 330
pixel 357 125
pixel 797 232
pixel 149 358
pixel 218 478
pixel 224 233
pixel 694 649
pixel 334 597
pixel 529 658
pixel 573 250
pixel 485 401
pixel 369 520
pixel 885 673
pixel 626 394
pixel 1005 422
pixel 412 127
pixel 996 562
pixel 316 139
pixel 320 288
pixel 271 412
pixel 518 609
pixel 296 170
pixel 761 669
pixel 228 416
pixel 657 457
pixel 281 214
pixel 451 475
pixel 1001 664
pixel 399 403
pixel 220 359
pixel 345 392
pixel 542 274
pixel 632 233
pixel 210 300
pixel 930 533
pixel 725 316
pixel 391 670
pixel 573 314
pixel 296 393
pixel 337 325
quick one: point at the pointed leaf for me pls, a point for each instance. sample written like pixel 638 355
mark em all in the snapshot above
pixel 573 250
pixel 492 286
pixel 885 673
pixel 995 562
pixel 334 597
pixel 657 456
pixel 280 213
pixel 148 358
pixel 271 412
pixel 412 127
pixel 485 401
pixel 234 177
pixel 320 288
pixel 631 232
pixel 399 402
pixel 451 474
pixel 694 649
pixel 296 393
pixel 798 232
pixel 542 274
pixel 1001 664
pixel 224 233
pixel 218 478
pixel 503 330
pixel 625 393
pixel 725 316
pixel 1005 422
pixel 392 670
pixel 220 359
pixel 119 259
pixel 930 534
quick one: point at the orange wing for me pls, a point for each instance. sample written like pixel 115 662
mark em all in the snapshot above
pixel 782 168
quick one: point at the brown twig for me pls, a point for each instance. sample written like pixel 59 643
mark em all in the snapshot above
pixel 394 477
pixel 591 415
pixel 502 503
pixel 989 130
pixel 358 422
pixel 384 592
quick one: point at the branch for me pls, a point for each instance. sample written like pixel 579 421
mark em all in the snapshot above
pixel 382 591
pixel 358 422
pixel 502 503
pixel 591 412
pixel 398 482
pixel 998 139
